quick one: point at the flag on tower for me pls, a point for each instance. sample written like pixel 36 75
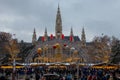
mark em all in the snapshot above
pixel 43 39
pixel 62 36
pixel 71 38
pixel 51 36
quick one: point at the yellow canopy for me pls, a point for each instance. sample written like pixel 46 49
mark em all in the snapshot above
pixel 10 67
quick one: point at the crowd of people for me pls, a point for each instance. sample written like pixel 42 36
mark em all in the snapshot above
pixel 64 73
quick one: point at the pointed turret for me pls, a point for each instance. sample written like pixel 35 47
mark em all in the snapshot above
pixel 83 38
pixel 34 37
pixel 71 32
pixel 45 35
pixel 71 35
pixel 58 25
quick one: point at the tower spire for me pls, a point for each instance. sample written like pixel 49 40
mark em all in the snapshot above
pixel 45 34
pixel 58 7
pixel 71 35
pixel 34 37
pixel 83 38
pixel 58 25
pixel 45 30
pixel 71 32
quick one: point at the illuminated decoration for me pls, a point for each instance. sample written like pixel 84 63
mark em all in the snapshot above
pixel 105 67
pixel 75 52
pixel 10 67
pixel 57 45
pixel 39 50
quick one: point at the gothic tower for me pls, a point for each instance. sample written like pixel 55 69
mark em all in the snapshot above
pixel 34 37
pixel 45 35
pixel 83 38
pixel 58 25
pixel 71 35
pixel 71 32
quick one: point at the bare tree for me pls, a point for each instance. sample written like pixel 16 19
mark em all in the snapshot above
pixel 101 48
pixel 5 37
pixel 9 45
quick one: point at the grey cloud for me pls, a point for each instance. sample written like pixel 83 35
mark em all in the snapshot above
pixel 98 16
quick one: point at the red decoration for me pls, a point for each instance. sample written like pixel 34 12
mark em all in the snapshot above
pixel 65 45
pixel 71 38
pixel 54 47
pixel 51 36
pixel 62 36
pixel 43 39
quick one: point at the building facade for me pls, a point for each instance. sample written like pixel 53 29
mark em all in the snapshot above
pixel 58 48
pixel 61 48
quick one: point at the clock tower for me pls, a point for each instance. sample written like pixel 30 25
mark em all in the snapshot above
pixel 58 25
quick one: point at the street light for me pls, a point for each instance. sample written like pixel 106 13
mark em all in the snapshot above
pixel 79 60
pixel 78 69
pixel 14 50
pixel 14 69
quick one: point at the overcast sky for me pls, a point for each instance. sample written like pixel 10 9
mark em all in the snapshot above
pixel 20 17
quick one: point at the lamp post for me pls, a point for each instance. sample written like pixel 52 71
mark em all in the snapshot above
pixel 14 50
pixel 14 69
pixel 78 69
pixel 77 59
pixel 14 65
